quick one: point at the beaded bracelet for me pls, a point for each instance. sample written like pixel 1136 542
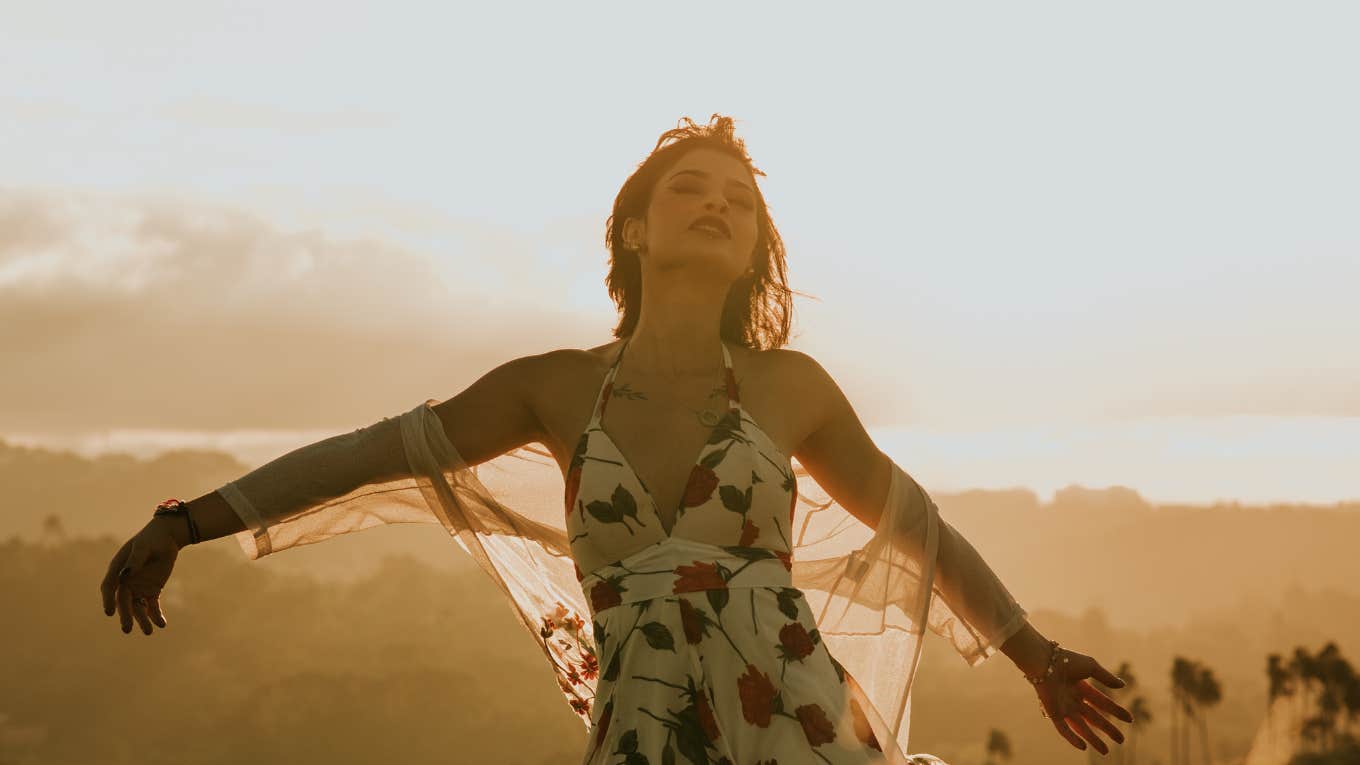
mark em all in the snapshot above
pixel 1052 662
pixel 1048 672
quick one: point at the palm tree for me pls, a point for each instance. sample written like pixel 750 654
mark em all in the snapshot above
pixel 1142 715
pixel 1338 678
pixel 999 744
pixel 1325 686
pixel 1281 685
pixel 1183 677
pixel 1205 691
pixel 1307 671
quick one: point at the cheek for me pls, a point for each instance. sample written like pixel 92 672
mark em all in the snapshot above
pixel 671 211
pixel 749 235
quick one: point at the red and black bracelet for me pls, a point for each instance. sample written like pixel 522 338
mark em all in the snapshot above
pixel 176 507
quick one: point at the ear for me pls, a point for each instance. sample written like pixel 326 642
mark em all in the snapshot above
pixel 634 233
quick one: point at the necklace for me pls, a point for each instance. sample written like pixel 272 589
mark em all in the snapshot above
pixel 706 417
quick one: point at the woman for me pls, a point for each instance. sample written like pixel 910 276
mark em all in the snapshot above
pixel 722 629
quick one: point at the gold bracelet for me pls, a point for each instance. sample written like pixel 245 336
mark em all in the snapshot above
pixel 1052 662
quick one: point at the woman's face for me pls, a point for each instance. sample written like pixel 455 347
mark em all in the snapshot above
pixel 702 183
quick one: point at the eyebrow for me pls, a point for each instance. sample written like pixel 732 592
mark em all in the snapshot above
pixel 704 174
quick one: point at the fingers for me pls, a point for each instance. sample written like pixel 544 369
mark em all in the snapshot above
pixel 154 610
pixel 108 588
pixel 124 605
pixel 1094 717
pixel 139 612
pixel 1060 723
pixel 1077 721
pixel 1106 676
pixel 129 607
pixel 1102 702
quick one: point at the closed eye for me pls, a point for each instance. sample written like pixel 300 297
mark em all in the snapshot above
pixel 687 190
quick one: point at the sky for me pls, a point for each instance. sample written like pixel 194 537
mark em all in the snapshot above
pixel 1041 245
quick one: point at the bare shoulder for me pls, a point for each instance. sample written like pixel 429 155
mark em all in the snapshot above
pixel 834 446
pixel 806 380
pixel 562 369
pixel 557 382
pixel 792 393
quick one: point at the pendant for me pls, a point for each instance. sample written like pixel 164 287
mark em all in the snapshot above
pixel 709 417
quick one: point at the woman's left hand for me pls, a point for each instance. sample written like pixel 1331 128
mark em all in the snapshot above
pixel 1074 705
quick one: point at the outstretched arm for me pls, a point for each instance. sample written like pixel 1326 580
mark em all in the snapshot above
pixel 291 499
pixel 839 454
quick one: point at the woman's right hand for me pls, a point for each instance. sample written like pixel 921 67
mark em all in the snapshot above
pixel 138 573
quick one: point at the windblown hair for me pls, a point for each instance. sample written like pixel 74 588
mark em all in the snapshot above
pixel 759 306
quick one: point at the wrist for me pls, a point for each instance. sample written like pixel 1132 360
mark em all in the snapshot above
pixel 1029 650
pixel 176 528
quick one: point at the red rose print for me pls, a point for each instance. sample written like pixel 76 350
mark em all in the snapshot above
pixel 706 720
pixel 693 622
pixel 580 706
pixel 698 577
pixel 796 642
pixel 757 696
pixel 590 667
pixel 816 727
pixel 603 595
pixel 749 532
pixel 862 730
pixel 702 482
pixel 573 486
pixel 602 727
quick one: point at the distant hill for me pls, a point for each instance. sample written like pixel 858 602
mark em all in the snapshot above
pixel 261 666
pixel 1144 565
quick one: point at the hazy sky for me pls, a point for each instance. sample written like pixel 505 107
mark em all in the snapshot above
pixel 1048 243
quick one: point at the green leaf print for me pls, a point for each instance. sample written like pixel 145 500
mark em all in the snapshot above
pixel 621 505
pixel 712 459
pixel 786 598
pixel 750 553
pixel 734 499
pixel 658 636
pixel 717 599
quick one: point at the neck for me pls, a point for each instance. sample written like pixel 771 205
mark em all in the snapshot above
pixel 678 331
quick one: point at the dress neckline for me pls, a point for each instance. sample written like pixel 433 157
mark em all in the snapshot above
pixel 730 420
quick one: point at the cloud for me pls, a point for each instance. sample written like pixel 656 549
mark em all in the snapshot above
pixel 140 311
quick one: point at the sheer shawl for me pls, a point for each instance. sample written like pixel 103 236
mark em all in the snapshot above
pixel 873 589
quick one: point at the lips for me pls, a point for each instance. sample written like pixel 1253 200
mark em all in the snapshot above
pixel 713 222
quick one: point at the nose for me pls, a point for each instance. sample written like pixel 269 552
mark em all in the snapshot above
pixel 719 204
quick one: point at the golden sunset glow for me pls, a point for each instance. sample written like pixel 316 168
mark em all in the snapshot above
pixel 1060 254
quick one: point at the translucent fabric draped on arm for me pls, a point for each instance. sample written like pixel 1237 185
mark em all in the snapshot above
pixel 872 589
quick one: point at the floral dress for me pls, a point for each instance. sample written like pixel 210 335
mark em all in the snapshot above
pixel 706 652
